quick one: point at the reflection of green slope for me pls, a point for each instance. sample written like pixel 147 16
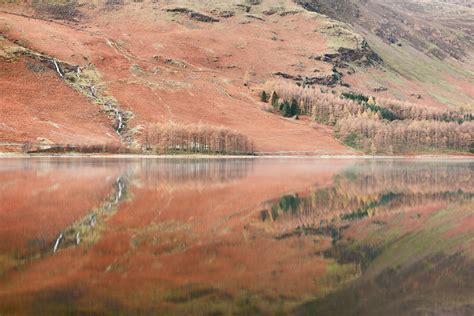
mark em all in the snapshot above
pixel 427 241
pixel 421 270
pixel 438 285
pixel 384 264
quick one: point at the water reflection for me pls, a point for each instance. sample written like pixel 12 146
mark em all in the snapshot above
pixel 236 236
pixel 204 171
pixel 374 188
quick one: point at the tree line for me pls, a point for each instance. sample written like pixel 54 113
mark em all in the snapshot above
pixel 378 126
pixel 163 139
pixel 397 136
pixel 195 138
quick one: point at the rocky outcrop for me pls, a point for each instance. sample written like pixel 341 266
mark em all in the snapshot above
pixel 193 15
pixel 364 57
pixel 331 8
pixel 329 80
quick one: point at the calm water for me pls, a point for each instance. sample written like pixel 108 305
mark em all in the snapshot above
pixel 236 237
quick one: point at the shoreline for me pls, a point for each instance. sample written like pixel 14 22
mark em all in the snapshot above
pixel 276 156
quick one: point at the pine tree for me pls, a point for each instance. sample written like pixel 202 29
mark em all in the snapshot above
pixel 294 109
pixel 264 96
pixel 286 109
pixel 275 100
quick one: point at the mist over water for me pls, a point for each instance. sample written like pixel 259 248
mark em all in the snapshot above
pixel 236 236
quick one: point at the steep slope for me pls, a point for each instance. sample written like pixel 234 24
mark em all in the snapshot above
pixel 427 47
pixel 38 107
pixel 182 62
pixel 165 67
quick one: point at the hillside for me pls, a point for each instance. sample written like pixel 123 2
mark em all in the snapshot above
pixel 427 46
pixel 125 66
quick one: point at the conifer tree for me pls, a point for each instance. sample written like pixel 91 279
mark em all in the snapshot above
pixel 294 109
pixel 371 101
pixel 286 109
pixel 275 99
pixel 264 96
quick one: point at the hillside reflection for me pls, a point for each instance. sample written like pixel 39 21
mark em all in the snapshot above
pixel 236 236
pixel 401 236
pixel 375 188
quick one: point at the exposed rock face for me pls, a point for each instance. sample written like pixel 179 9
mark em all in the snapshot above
pixel 329 80
pixel 202 17
pixel 193 15
pixel 364 57
pixel 331 8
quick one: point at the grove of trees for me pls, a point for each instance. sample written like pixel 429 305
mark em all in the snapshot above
pixel 195 138
pixel 379 126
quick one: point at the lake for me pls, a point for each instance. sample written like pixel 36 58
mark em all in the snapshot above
pixel 251 236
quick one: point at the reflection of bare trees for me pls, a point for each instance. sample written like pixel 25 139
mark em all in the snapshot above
pixel 197 171
pixel 375 189
pixel 413 176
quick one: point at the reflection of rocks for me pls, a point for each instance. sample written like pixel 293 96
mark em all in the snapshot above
pixel 329 231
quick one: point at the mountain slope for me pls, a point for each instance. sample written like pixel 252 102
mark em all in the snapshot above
pixel 181 62
pixel 38 107
pixel 164 67
pixel 427 46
